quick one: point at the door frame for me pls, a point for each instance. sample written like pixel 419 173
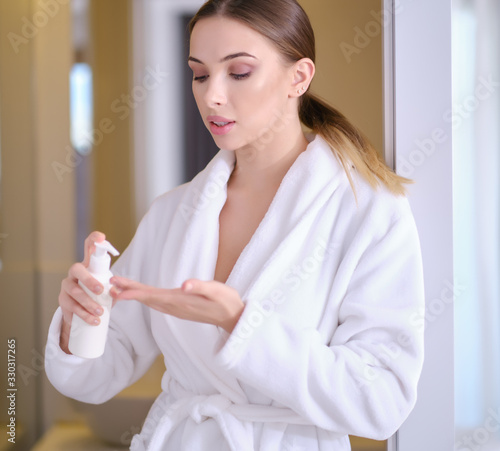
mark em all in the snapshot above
pixel 418 95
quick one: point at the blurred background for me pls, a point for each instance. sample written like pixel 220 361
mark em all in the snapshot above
pixel 97 119
pixel 475 119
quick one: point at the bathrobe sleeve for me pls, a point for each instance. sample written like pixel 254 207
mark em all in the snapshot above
pixel 130 347
pixel 362 380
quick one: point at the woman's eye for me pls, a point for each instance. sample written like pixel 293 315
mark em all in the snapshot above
pixel 240 76
pixel 201 78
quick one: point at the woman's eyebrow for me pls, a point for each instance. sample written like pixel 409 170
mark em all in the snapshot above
pixel 226 58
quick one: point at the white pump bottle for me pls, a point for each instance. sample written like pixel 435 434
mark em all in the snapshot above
pixel 86 340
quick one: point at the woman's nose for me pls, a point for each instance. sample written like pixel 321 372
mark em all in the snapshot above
pixel 215 94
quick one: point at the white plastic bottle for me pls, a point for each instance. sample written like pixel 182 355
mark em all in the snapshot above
pixel 86 340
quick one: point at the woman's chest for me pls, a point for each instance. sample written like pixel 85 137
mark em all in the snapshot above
pixel 238 220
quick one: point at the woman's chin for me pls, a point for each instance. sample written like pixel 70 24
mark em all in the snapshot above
pixel 226 142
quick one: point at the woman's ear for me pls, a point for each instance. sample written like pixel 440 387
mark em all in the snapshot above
pixel 303 73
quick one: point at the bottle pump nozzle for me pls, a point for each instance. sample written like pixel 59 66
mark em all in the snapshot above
pixel 100 260
pixel 104 247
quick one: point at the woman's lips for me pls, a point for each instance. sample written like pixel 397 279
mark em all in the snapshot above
pixel 220 125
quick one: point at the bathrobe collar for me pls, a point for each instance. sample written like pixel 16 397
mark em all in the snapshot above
pixel 312 178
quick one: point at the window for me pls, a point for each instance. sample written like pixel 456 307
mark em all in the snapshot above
pixel 81 107
pixel 476 169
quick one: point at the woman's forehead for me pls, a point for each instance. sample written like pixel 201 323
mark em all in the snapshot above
pixel 214 38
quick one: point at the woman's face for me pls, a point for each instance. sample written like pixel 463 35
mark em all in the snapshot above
pixel 240 84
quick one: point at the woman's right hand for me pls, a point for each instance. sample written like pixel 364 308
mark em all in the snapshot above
pixel 72 298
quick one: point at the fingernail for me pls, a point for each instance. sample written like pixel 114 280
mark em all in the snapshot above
pixel 97 289
pixel 96 321
pixel 99 311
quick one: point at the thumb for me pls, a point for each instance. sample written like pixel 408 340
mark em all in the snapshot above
pixel 89 246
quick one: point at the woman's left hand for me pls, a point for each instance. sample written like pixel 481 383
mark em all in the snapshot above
pixel 210 302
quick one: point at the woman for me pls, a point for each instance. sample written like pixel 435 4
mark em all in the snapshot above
pixel 279 283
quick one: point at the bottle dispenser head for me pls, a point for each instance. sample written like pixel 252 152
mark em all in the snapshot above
pixel 100 260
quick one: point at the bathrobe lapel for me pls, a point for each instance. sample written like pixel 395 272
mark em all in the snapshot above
pixel 305 189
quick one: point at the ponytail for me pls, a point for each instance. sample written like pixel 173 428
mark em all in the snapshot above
pixel 349 145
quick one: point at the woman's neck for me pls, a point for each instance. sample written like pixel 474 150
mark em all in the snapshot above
pixel 262 167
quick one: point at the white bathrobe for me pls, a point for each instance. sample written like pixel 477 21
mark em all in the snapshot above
pixel 329 343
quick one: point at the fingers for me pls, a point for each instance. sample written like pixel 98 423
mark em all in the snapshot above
pixel 89 246
pixel 125 289
pixel 212 289
pixel 123 282
pixel 74 300
pixel 209 302
pixel 78 272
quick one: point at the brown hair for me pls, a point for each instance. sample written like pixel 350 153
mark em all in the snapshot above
pixel 287 25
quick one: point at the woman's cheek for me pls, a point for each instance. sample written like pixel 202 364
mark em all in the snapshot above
pixel 254 97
